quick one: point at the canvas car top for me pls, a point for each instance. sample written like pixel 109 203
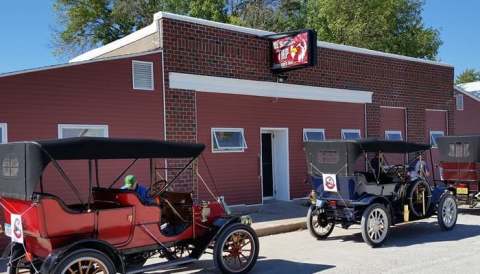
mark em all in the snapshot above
pixel 339 156
pixel 461 149
pixel 22 163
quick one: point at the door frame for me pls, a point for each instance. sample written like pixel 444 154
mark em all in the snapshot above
pixel 276 173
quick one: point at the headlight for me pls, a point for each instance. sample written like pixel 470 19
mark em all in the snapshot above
pixel 313 197
pixel 246 220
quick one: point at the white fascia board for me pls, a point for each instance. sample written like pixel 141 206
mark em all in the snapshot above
pixel 459 88
pixel 212 84
pixel 320 44
pixel 134 36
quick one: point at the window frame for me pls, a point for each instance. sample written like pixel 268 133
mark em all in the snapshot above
pixel 133 75
pixel 81 126
pixel 393 132
pixel 4 137
pixel 435 132
pixel 231 149
pixel 350 130
pixel 457 96
pixel 306 130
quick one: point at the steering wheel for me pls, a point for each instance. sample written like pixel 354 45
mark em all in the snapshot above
pixel 156 187
pixel 396 171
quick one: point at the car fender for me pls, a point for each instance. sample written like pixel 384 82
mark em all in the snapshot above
pixel 54 258
pixel 371 199
pixel 218 226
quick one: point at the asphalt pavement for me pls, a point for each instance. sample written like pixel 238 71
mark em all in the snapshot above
pixel 417 247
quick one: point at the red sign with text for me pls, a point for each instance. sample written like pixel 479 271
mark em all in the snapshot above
pixel 294 50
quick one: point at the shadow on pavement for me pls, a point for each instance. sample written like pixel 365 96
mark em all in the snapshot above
pixel 273 210
pixel 469 211
pixel 274 266
pixel 418 233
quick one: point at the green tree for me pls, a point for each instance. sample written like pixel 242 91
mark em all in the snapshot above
pixel 467 76
pixel 86 24
pixel 394 26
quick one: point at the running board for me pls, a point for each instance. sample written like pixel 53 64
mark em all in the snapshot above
pixel 158 266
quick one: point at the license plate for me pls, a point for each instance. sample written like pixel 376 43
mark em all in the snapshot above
pixel 8 230
pixel 462 190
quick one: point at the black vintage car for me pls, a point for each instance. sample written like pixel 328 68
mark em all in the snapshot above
pixel 343 193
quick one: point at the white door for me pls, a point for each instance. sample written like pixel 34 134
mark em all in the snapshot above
pixel 280 163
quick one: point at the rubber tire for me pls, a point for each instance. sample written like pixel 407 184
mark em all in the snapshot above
pixel 312 230
pixel 364 223
pixel 217 250
pixel 66 260
pixel 439 213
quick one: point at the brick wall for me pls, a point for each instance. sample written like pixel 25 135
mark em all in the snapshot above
pixel 205 50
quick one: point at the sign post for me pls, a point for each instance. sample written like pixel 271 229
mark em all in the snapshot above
pixel 330 182
pixel 17 228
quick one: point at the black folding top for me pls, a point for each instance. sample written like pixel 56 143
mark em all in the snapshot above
pixel 117 148
pixel 374 145
pixel 22 163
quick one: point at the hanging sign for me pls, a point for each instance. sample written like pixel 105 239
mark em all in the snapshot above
pixel 293 50
pixel 330 182
pixel 16 228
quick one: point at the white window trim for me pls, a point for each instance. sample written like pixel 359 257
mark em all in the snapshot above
pixel 133 75
pixel 236 149
pixel 435 132
pixel 4 138
pixel 77 126
pixel 462 102
pixel 351 131
pixel 306 130
pixel 393 132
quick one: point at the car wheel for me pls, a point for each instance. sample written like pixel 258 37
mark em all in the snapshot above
pixel 236 249
pixel 85 261
pixel 318 225
pixel 447 212
pixel 375 225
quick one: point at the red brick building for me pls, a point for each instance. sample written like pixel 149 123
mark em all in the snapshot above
pixel 194 80
pixel 467 111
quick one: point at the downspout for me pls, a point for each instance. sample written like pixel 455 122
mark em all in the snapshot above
pixel 160 34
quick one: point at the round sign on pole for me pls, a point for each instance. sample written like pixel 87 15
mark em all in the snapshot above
pixel 330 182
pixel 17 228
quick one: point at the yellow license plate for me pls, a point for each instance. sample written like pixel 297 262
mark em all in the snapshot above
pixel 462 190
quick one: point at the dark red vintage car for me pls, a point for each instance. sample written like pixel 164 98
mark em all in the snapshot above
pixel 460 166
pixel 113 231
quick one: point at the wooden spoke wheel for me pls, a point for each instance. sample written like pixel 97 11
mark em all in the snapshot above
pixel 318 225
pixel 236 249
pixel 86 261
pixel 375 225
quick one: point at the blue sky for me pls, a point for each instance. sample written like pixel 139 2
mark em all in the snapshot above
pixel 26 31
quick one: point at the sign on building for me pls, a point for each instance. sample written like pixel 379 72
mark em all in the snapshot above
pixel 293 50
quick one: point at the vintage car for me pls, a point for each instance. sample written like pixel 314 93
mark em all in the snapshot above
pixel 377 199
pixel 113 230
pixel 460 166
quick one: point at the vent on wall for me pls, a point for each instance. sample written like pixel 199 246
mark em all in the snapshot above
pixel 142 74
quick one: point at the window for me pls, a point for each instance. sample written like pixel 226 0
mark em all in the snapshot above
pixel 3 133
pixel 393 135
pixel 313 134
pixel 459 101
pixel 142 74
pixel 228 140
pixel 459 150
pixel 69 131
pixel 351 134
pixel 433 137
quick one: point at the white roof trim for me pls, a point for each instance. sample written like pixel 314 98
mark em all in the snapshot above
pixel 321 44
pixel 159 15
pixel 212 84
pixel 463 91
pixel 79 63
pixel 134 36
